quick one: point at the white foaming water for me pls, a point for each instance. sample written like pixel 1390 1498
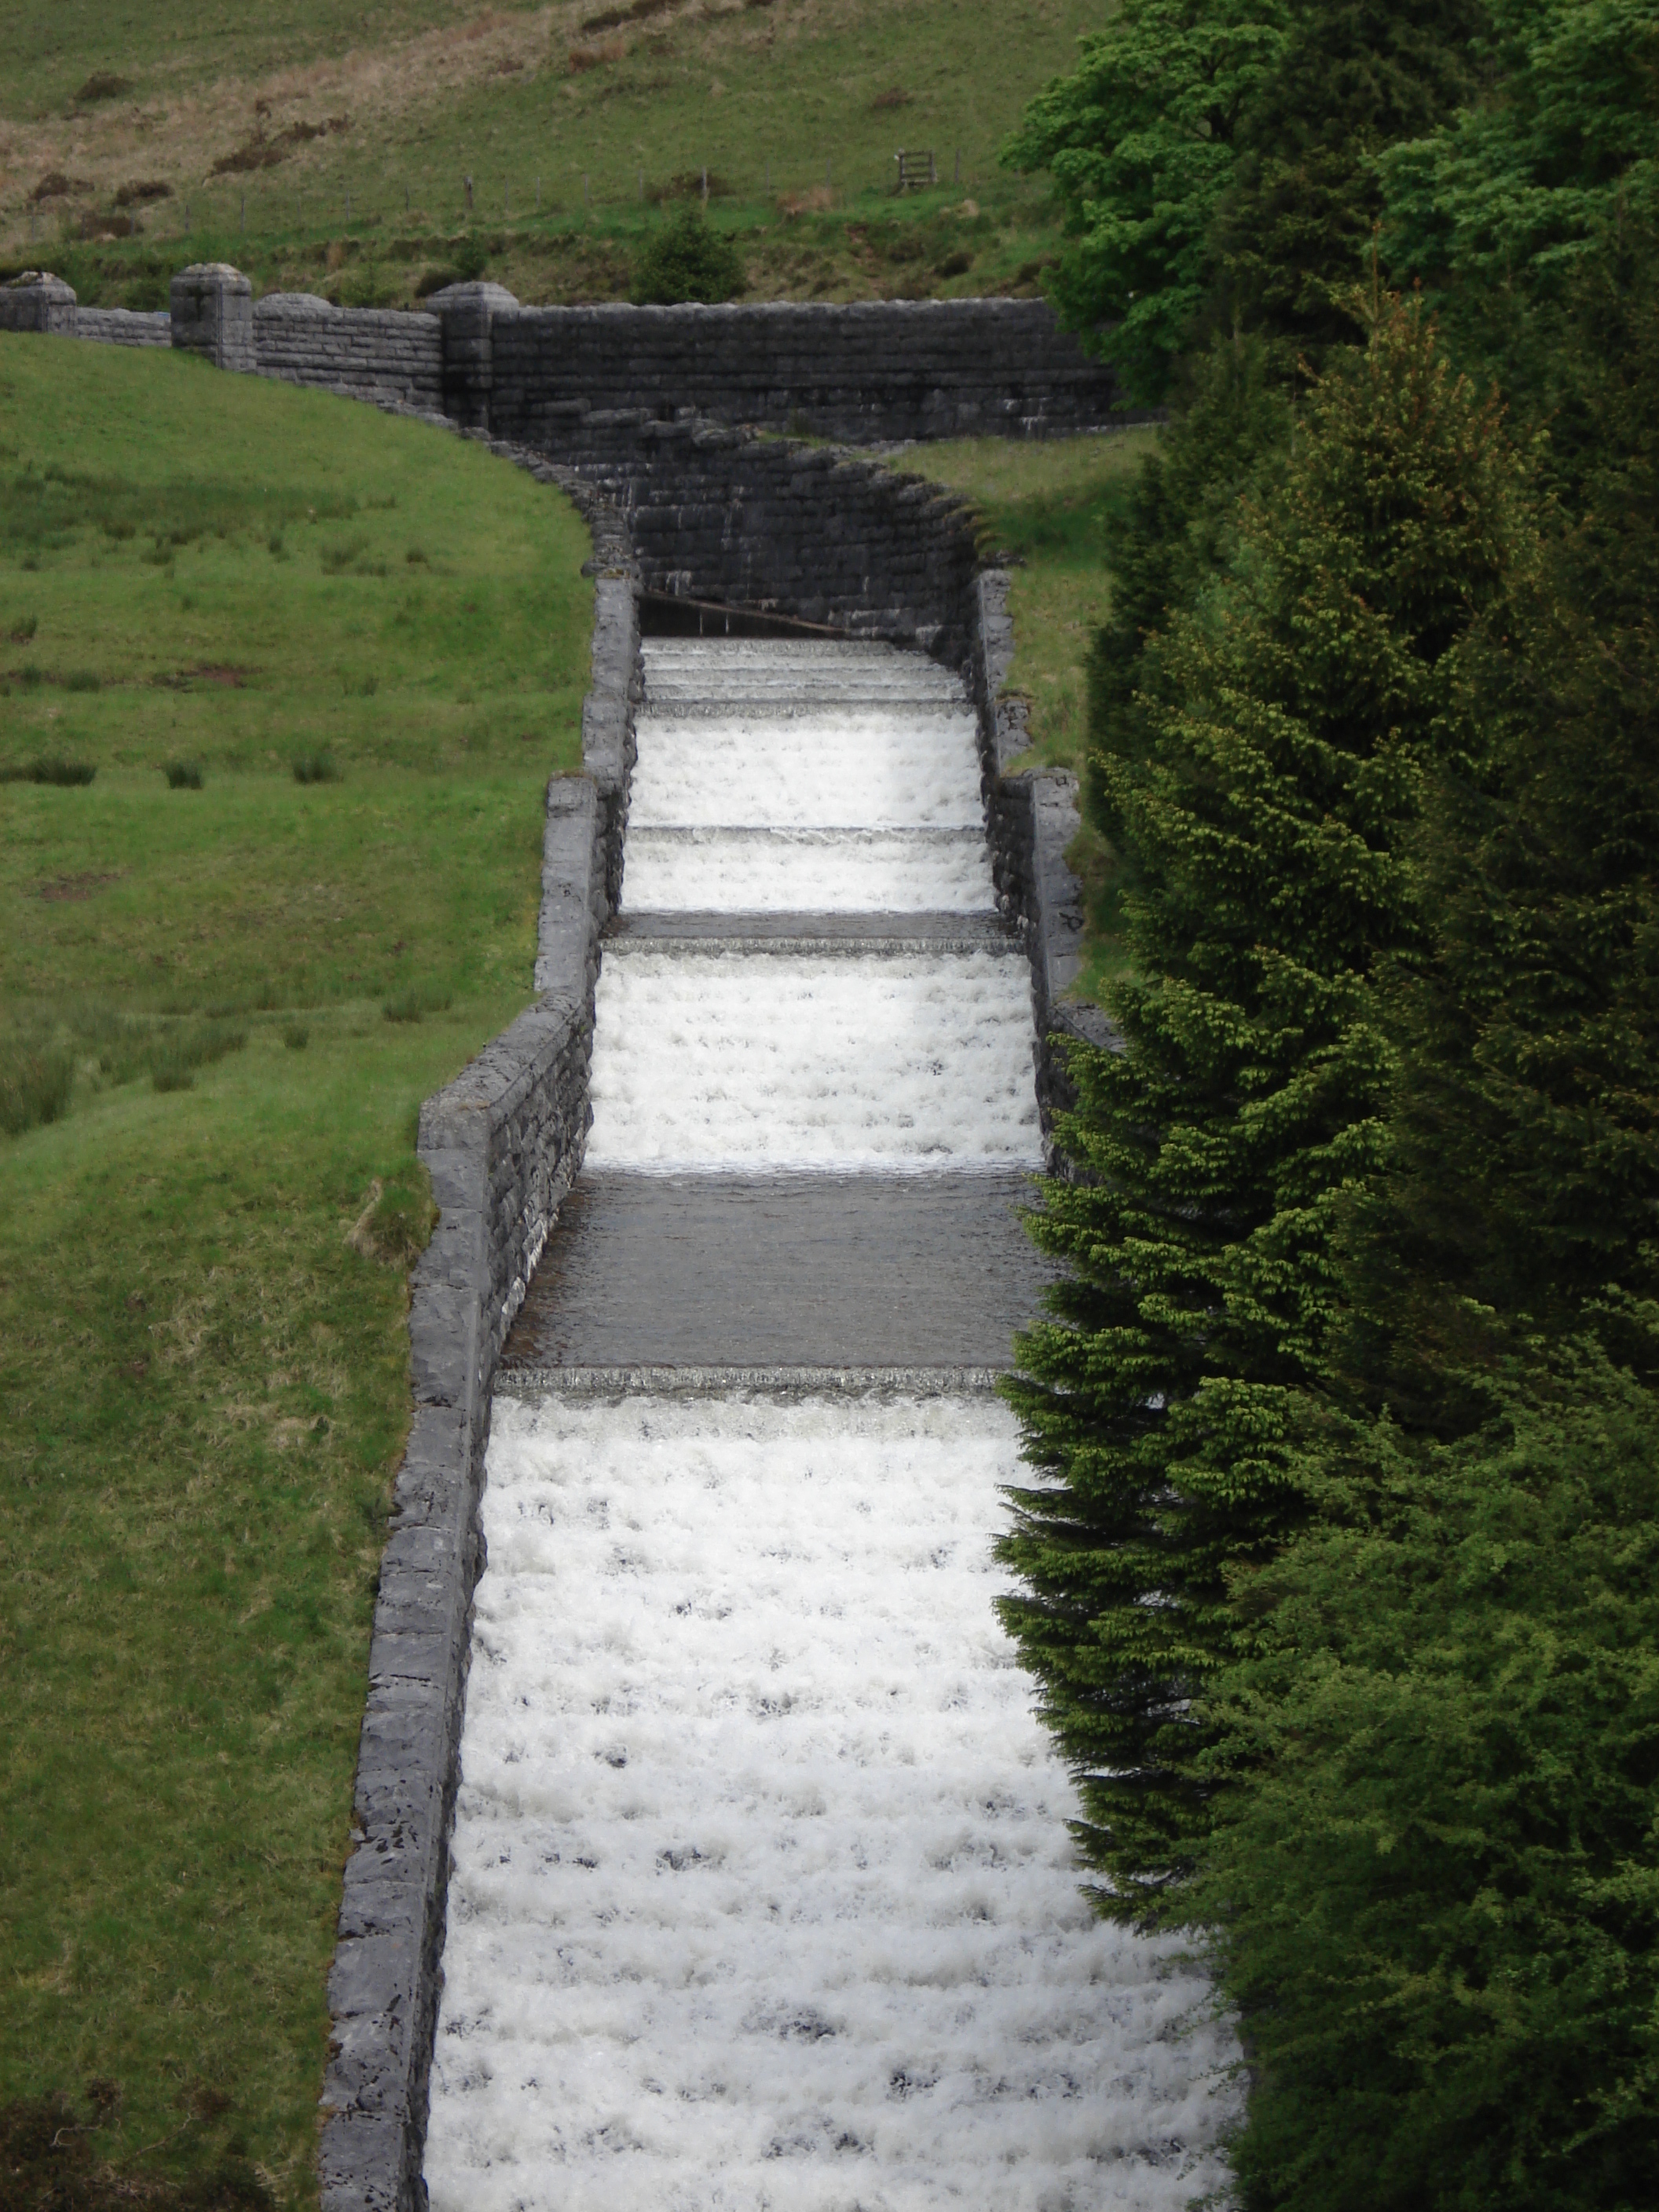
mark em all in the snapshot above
pixel 763 1900
pixel 821 769
pixel 711 668
pixel 746 1062
pixel 807 870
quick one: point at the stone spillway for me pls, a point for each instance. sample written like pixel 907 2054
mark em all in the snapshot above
pixel 763 1892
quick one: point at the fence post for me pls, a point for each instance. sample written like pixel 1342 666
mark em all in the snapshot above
pixel 467 181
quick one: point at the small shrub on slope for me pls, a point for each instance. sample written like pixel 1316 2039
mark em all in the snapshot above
pixel 685 260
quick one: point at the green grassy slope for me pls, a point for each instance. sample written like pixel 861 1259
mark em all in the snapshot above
pixel 205 1374
pixel 795 108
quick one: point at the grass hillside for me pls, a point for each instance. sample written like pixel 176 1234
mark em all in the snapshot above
pixel 229 991
pixel 320 146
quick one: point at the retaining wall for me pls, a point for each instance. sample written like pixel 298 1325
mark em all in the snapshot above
pixel 366 353
pixel 872 371
pixel 768 524
pixel 501 1143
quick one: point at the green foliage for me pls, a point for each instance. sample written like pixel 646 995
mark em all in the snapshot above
pixel 1295 720
pixel 1294 230
pixel 1438 1898
pixel 183 776
pixel 688 260
pixel 1140 141
pixel 1172 539
pixel 1522 187
pixel 1525 1170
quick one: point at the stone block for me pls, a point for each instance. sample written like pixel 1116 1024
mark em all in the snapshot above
pixel 212 307
pixel 37 300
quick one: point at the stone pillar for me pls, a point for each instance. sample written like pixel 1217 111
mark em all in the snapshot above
pixel 37 301
pixel 467 312
pixel 213 315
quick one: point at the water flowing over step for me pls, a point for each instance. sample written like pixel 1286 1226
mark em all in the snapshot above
pixel 763 1895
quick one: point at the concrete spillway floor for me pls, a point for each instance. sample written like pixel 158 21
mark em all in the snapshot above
pixel 763 1895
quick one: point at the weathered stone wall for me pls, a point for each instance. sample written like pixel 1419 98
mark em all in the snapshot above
pixel 501 1144
pixel 874 371
pixel 1032 817
pixel 37 301
pixel 723 515
pixel 119 326
pixel 369 353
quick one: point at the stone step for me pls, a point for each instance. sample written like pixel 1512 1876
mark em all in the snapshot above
pixel 789 1271
pixel 525 1385
pixel 887 935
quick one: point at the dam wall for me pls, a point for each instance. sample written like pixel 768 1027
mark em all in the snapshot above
pixel 871 373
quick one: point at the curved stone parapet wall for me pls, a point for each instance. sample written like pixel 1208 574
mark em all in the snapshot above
pixel 873 372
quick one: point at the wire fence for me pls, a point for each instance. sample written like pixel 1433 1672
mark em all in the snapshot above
pixel 321 205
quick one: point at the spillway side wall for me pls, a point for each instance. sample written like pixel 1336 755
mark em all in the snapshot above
pixel 501 1144
pixel 819 533
pixel 1032 816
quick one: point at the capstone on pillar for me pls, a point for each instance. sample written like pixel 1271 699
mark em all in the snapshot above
pixel 37 300
pixel 468 312
pixel 212 308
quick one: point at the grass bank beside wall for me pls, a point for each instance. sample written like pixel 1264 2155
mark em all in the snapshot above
pixel 231 992
pixel 1045 505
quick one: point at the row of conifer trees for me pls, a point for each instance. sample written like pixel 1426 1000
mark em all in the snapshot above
pixel 1339 1556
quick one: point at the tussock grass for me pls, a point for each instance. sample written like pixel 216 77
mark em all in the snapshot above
pixel 205 1378
pixel 35 1082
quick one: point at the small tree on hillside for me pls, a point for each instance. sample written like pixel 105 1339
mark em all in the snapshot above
pixel 687 260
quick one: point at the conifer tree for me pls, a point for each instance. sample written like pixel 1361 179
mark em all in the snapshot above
pixel 1355 76
pixel 1524 1167
pixel 1295 720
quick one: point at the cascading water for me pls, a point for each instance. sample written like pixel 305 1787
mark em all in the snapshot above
pixel 762 1892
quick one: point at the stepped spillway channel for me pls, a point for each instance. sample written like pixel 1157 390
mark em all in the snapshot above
pixel 762 1893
